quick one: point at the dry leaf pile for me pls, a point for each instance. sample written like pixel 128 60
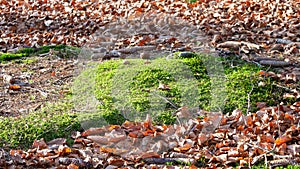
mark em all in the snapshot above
pixel 266 28
pixel 255 28
pixel 272 134
pixel 288 79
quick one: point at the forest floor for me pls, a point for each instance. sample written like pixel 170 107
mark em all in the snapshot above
pixel 265 33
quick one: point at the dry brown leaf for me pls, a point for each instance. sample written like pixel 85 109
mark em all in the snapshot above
pixel 150 155
pixel 282 140
pixel 99 139
pixel 40 144
pixel 93 131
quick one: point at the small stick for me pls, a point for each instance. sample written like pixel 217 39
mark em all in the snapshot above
pixel 279 132
pixel 249 100
pixel 166 160
pixel 172 104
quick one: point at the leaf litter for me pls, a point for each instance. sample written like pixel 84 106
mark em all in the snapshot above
pixel 272 132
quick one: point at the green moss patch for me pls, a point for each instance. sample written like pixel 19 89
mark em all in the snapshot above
pixel 10 56
pixel 132 90
pixel 49 123
pixel 62 51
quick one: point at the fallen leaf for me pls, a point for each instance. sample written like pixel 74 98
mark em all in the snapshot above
pixel 14 87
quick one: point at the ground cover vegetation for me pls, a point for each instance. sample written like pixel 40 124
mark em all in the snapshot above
pixel 58 120
pixel 241 79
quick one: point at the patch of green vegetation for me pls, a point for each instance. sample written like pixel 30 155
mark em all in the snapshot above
pixel 43 49
pixel 10 56
pixel 191 1
pixel 26 51
pixel 242 79
pixel 130 91
pixel 64 51
pixel 201 163
pixel 49 123
pixel 27 60
pixel 179 163
pixel 288 167
pixel 262 165
pixel 293 167
pixel 169 163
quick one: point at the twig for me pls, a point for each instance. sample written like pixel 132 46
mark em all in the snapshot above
pixel 281 162
pixel 44 94
pixel 258 158
pixel 267 151
pixel 191 128
pixel 274 63
pixel 252 61
pixel 282 156
pixel 249 100
pixel 279 132
pixel 172 104
pixel 167 160
pixel 285 88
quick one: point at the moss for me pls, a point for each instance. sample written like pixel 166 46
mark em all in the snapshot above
pixel 63 52
pixel 27 60
pixel 46 49
pixel 130 91
pixel 50 123
pixel 9 56
pixel 26 51
pixel 191 1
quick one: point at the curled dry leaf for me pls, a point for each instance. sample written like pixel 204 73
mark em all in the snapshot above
pixel 14 87
pixel 185 147
pixel 64 150
pixel 150 155
pixel 115 162
pixel 93 131
pixel 283 139
pixel 102 140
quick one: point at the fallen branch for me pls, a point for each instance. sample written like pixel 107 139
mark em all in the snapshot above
pixel 285 88
pixel 278 115
pixel 282 162
pixel 274 63
pixel 249 101
pixel 167 160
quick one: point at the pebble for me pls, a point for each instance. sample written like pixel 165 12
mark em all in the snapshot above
pixel 186 54
pixel 145 55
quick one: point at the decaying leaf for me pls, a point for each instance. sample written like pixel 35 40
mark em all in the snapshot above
pixel 102 140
